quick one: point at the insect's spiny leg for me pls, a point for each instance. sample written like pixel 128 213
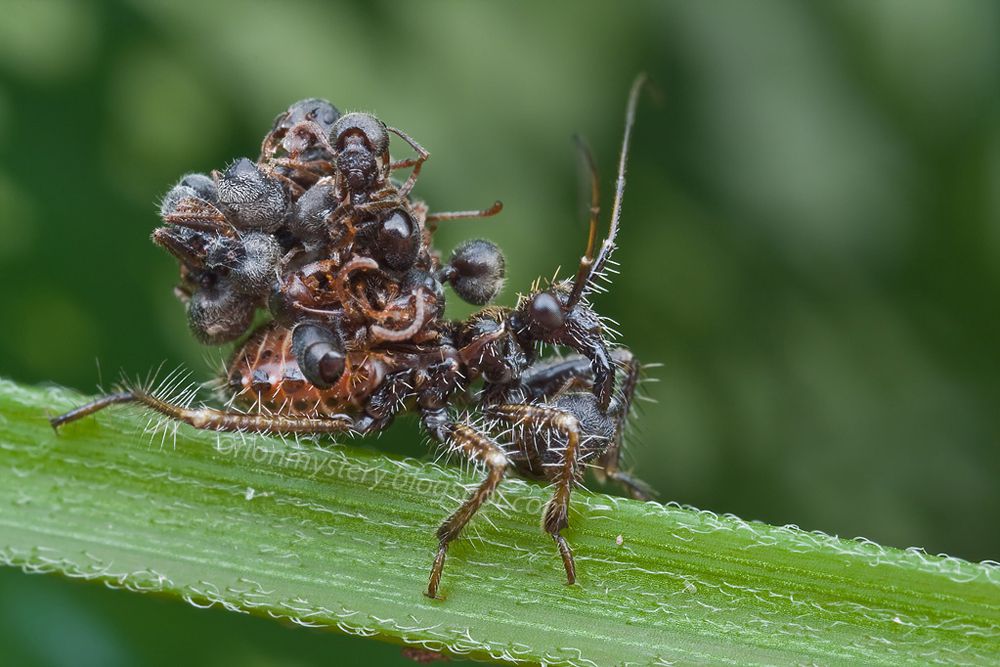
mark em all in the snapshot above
pixel 219 420
pixel 544 419
pixel 475 447
pixel 210 418
pixel 621 406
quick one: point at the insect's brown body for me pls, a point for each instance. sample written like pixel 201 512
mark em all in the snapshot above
pixel 264 373
pixel 317 234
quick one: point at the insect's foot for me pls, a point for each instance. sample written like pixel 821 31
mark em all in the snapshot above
pixel 567 558
pixel 436 569
pixel 91 408
pixel 55 421
pixel 637 489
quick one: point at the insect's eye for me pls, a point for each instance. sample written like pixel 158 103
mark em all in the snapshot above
pixel 546 311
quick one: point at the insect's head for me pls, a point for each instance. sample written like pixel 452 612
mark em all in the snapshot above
pixel 301 130
pixel 225 272
pixel 361 142
pixel 545 313
pixel 251 198
pixel 223 279
pixel 311 110
pixel 561 314
pixel 476 271
pixel 551 315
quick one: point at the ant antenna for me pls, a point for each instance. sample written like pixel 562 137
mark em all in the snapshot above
pixel 587 261
pixel 201 224
pixel 588 268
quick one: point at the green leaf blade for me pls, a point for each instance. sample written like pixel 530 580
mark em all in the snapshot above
pixel 343 538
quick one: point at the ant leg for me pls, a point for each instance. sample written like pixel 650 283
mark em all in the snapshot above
pixel 351 214
pixel 545 379
pixel 620 407
pixel 91 408
pixel 475 446
pixel 537 418
pixel 377 205
pixel 317 168
pixel 268 147
pixel 296 189
pixel 212 419
pixel 387 401
pixel 462 215
pixel 416 163
pixel 403 164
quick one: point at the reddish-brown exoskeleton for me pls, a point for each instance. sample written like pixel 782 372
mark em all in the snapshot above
pixel 318 234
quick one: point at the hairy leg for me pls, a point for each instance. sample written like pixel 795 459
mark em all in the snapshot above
pixel 620 407
pixel 547 379
pixel 212 419
pixel 536 419
pixel 475 446
pixel 387 401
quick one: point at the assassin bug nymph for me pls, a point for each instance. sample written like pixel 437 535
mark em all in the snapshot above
pixel 480 386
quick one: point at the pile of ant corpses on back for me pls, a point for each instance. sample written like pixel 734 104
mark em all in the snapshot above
pixel 319 235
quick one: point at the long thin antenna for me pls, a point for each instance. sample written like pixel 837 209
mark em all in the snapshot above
pixel 608 246
pixel 616 208
pixel 587 261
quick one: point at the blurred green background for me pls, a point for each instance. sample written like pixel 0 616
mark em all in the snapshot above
pixel 811 239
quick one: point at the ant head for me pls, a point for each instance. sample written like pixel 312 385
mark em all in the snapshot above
pixel 364 127
pixel 476 271
pixel 251 198
pixel 187 245
pixel 561 314
pixel 362 142
pixel 218 314
pixel 300 132
pixel 223 278
pixel 217 311
pixel 311 110
pixel 247 261
pixel 193 190
pixel 551 316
